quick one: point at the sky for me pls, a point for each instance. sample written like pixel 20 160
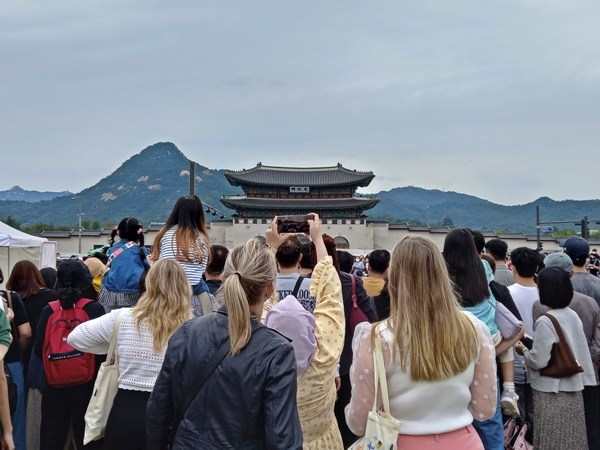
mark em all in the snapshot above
pixel 500 100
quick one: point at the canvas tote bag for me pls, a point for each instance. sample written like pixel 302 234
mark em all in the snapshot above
pixel 105 389
pixel 382 428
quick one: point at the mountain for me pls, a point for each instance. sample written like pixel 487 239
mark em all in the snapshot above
pixel 148 184
pixel 145 186
pixel 433 206
pixel 16 193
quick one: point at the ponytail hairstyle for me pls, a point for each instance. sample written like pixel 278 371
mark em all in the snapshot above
pixel 72 283
pixel 132 229
pixel 188 216
pixel 249 270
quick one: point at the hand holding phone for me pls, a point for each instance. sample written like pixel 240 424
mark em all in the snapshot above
pixel 294 223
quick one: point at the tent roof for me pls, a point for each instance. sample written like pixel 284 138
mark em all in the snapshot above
pixel 10 237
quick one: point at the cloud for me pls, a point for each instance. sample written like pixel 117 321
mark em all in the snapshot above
pixel 492 100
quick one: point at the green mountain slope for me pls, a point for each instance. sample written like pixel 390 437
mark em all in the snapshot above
pixel 148 184
pixel 145 186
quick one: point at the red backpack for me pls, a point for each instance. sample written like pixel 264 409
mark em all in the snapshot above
pixel 64 365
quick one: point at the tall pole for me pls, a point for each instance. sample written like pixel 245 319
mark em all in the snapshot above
pixel 537 227
pixel 80 228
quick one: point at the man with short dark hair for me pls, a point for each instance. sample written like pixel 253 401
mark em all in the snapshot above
pixel 306 267
pixel 379 261
pixel 215 266
pixel 578 250
pixel 525 263
pixel 289 281
pixel 498 250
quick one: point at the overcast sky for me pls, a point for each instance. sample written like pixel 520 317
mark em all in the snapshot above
pixel 500 100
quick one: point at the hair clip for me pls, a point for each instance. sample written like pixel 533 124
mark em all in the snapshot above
pixel 140 231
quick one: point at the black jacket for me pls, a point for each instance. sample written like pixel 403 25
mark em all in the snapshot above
pixel 249 401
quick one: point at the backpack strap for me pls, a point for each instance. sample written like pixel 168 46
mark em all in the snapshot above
pixel 82 303
pixel 118 251
pixel 297 286
pixel 55 305
pixel 354 304
pixel 201 378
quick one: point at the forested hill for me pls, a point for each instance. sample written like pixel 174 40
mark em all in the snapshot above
pixel 148 184
pixel 433 207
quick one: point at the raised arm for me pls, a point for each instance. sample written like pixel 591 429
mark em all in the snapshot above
pixel 94 335
pixel 325 286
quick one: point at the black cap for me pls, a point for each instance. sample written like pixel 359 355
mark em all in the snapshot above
pixel 73 273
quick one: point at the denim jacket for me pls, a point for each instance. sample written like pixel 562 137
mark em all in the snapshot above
pixel 125 269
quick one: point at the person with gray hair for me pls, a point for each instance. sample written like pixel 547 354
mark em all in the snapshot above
pixel 589 312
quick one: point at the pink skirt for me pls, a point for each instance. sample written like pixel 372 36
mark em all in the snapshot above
pixel 464 438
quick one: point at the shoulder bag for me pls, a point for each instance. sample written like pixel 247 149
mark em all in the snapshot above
pixel 562 362
pixel 356 314
pixel 105 389
pixel 382 428
pixel 508 325
pixel 206 372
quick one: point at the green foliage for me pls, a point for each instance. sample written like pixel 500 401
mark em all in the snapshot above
pixel 563 233
pixel 12 222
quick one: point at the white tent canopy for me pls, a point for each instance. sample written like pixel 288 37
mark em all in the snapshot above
pixel 16 246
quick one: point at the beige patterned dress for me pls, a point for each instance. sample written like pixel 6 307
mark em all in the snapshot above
pixel 316 386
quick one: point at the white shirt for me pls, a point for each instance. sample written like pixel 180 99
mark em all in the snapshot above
pixel 138 364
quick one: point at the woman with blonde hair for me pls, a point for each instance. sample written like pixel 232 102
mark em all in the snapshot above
pixel 142 341
pixel 248 398
pixel 439 360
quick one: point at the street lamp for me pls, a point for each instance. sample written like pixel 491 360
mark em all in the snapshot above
pixel 80 227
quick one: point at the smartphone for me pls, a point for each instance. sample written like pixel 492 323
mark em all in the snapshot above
pixel 294 223
pixel 527 342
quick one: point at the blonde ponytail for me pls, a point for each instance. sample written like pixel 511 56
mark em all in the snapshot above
pixel 248 271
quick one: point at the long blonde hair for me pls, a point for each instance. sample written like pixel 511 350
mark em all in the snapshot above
pixel 431 333
pixel 249 270
pixel 166 303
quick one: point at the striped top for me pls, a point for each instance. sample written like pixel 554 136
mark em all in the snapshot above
pixel 193 270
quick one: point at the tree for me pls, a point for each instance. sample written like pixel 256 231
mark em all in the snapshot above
pixel 448 222
pixel 11 222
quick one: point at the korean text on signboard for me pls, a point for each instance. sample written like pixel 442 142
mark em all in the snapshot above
pixel 299 189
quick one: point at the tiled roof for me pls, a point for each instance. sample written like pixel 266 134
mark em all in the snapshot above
pixel 234 202
pixel 299 176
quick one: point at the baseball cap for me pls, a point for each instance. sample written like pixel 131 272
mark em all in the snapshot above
pixel 558 259
pixel 576 246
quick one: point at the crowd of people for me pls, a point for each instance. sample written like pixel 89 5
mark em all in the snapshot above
pixel 260 346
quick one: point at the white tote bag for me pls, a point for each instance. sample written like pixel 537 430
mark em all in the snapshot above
pixel 382 428
pixel 105 389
